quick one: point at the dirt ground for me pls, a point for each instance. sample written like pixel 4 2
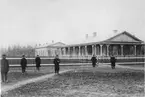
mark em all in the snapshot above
pixel 86 82
pixel 15 74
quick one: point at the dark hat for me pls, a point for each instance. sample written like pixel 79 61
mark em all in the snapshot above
pixel 3 54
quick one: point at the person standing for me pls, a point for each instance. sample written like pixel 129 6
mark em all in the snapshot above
pixel 38 62
pixel 23 64
pixel 56 62
pixel 113 61
pixel 4 68
pixel 94 60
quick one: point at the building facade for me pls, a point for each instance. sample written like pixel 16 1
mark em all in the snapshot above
pixel 49 50
pixel 122 44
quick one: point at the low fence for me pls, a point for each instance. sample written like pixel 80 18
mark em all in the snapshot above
pixel 80 60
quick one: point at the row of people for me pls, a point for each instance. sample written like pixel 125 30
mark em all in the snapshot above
pixel 112 61
pixel 23 63
pixel 56 61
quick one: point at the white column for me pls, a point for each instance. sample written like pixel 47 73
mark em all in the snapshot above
pixel 69 51
pixel 107 50
pixel 101 49
pixel 74 51
pixel 121 50
pixel 135 50
pixel 79 50
pixel 95 49
pixel 82 51
pixel 92 49
pixel 59 51
pixel 64 51
pixel 86 53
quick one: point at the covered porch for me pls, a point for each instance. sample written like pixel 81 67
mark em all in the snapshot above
pixel 123 44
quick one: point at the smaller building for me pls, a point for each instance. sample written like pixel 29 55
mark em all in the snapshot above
pixel 49 50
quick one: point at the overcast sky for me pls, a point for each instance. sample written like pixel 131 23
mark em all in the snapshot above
pixel 41 21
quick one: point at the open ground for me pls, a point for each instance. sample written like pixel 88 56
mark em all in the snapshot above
pixel 82 81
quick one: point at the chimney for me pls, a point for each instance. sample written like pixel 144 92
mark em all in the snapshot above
pixel 86 36
pixel 94 34
pixel 115 31
pixel 52 41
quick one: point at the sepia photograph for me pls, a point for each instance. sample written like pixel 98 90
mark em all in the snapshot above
pixel 72 48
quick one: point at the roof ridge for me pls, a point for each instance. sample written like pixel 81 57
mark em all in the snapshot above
pixel 124 32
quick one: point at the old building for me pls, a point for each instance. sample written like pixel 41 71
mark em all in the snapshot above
pixel 49 50
pixel 122 44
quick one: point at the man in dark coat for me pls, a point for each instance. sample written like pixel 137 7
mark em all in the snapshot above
pixel 4 68
pixel 38 62
pixel 23 64
pixel 113 61
pixel 56 62
pixel 94 60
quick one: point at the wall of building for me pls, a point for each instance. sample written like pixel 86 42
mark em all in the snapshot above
pixel 41 52
pixel 48 51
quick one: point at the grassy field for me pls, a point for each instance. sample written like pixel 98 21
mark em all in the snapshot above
pixel 86 82
pixel 15 74
pixel 133 65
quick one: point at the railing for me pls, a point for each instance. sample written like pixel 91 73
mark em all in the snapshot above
pixel 77 56
pixel 78 59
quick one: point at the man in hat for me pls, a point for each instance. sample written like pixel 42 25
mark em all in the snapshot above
pixel 23 64
pixel 4 68
pixel 94 60
pixel 113 61
pixel 38 62
pixel 56 62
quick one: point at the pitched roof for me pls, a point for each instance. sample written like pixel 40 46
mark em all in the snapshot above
pixel 57 44
pixel 124 37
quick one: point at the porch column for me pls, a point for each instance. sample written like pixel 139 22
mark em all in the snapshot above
pixel 92 49
pixel 107 50
pixel 86 53
pixel 64 51
pixel 135 50
pixel 60 51
pixel 79 50
pixel 74 51
pixel 101 49
pixel 69 51
pixel 95 49
pixel 121 50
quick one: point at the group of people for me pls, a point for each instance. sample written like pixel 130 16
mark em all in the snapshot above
pixel 56 61
pixel 23 63
pixel 112 61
